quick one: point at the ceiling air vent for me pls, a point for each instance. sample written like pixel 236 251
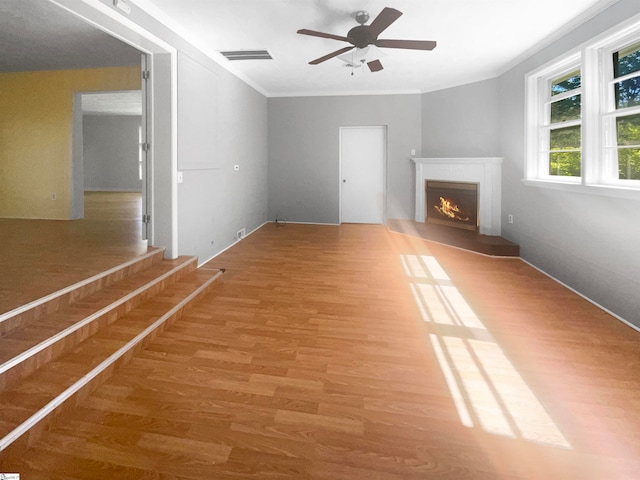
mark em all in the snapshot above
pixel 246 55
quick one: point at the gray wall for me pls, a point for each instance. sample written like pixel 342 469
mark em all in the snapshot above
pixel 461 121
pixel 201 215
pixel 304 152
pixel 589 242
pixel 111 152
pixel 214 203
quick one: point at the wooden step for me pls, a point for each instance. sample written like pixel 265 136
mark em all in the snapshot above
pixel 23 315
pixel 26 348
pixel 30 403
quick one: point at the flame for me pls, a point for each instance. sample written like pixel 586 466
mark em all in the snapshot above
pixel 451 210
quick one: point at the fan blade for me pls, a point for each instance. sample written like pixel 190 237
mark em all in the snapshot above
pixel 386 17
pixel 375 65
pixel 410 44
pixel 331 55
pixel 313 33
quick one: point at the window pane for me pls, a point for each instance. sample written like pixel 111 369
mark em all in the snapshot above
pixel 629 163
pixel 628 93
pixel 626 61
pixel 566 164
pixel 566 109
pixel 628 130
pixel 565 83
pixel 565 138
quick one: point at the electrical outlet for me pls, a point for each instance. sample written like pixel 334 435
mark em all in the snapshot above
pixel 510 218
pixel 54 196
pixel 240 235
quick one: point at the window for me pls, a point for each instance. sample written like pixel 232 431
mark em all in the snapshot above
pixel 623 113
pixel 562 127
pixel 583 116
pixel 555 120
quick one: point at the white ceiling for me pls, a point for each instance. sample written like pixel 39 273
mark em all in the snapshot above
pixel 38 35
pixel 477 39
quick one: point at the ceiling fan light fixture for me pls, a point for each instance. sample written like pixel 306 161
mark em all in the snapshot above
pixel 358 56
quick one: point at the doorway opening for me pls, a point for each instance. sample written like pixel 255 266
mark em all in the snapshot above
pixel 109 152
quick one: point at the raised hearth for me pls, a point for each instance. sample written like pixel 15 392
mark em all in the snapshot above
pixel 456 237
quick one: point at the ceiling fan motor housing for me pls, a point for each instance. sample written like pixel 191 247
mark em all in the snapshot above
pixel 360 36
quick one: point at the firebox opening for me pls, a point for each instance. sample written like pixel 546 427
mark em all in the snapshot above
pixel 452 203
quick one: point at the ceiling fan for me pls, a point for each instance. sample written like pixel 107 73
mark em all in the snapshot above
pixel 362 36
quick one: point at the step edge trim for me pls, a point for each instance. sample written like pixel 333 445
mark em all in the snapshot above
pixel 32 421
pixel 9 364
pixel 87 281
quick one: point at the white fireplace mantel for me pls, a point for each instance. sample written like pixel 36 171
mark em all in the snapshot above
pixel 485 171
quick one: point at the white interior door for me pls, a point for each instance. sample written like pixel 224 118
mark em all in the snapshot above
pixel 362 174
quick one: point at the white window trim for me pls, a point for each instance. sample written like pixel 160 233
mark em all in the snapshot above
pixel 588 57
pixel 609 112
pixel 538 84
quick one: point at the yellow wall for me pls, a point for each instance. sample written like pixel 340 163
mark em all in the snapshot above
pixel 36 122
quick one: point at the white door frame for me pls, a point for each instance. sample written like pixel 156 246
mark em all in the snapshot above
pixel 144 151
pixel 77 187
pixel 162 119
pixel 384 170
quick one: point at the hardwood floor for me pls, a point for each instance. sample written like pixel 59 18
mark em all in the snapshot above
pixel 39 256
pixel 353 352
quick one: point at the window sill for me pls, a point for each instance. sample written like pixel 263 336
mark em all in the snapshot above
pixel 605 190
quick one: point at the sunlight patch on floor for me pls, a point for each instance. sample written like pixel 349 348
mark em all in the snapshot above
pixel 485 387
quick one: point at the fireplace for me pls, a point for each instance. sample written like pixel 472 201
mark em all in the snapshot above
pixel 454 204
pixel 483 172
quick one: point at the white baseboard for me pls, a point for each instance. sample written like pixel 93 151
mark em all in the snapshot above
pixel 284 222
pixel 593 302
pixel 227 248
pixel 39 218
